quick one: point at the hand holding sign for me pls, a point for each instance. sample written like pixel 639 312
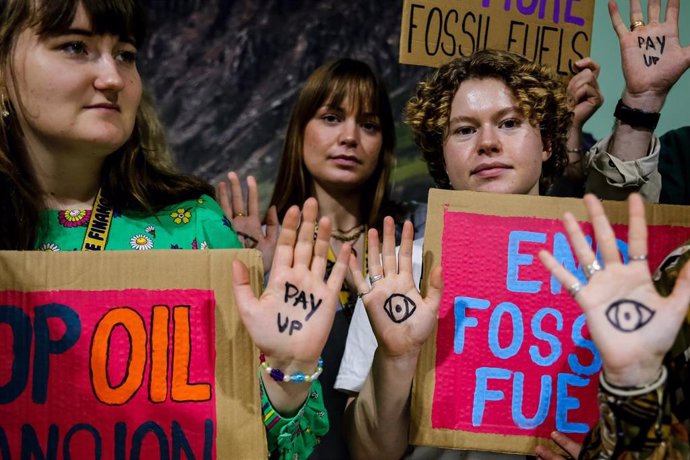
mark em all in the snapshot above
pixel 246 220
pixel 401 319
pixel 651 54
pixel 291 320
pixel 620 302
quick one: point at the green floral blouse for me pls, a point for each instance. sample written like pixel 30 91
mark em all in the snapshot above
pixel 193 224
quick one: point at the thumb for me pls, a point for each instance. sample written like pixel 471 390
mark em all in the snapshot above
pixel 680 296
pixel 433 294
pixel 244 295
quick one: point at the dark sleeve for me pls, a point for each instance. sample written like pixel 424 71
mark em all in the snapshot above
pixel 674 167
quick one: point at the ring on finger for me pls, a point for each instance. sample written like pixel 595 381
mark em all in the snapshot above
pixel 375 278
pixel 635 25
pixel 592 268
pixel 574 289
pixel 640 258
pixel 239 214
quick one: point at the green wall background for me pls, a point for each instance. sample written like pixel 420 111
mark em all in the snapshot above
pixel 676 112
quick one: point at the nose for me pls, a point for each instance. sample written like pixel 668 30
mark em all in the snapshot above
pixel 489 143
pixel 349 134
pixel 108 76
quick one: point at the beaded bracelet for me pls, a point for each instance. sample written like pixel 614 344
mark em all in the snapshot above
pixel 297 377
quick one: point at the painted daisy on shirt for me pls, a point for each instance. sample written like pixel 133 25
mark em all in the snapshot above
pixel 74 217
pixel 50 247
pixel 141 242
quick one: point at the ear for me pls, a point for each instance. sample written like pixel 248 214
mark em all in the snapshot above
pixel 547 150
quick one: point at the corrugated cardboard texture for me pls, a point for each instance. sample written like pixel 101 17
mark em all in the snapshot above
pixel 240 431
pixel 554 32
pixel 421 432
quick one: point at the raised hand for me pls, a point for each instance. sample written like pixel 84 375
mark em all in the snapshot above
pixel 246 220
pixel 402 320
pixel 583 91
pixel 651 54
pixel 630 323
pixel 569 446
pixel 291 320
pixel 585 98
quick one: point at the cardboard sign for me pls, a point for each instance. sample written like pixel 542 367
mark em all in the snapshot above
pixel 551 32
pixel 512 359
pixel 126 355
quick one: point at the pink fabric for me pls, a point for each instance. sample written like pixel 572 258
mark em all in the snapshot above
pixel 71 399
pixel 475 265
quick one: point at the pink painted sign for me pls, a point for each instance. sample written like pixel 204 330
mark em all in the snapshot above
pixel 107 374
pixel 513 354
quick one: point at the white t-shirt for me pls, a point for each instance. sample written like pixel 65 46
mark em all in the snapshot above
pixel 359 355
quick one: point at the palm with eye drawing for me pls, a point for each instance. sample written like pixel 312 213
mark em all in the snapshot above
pixel 631 324
pixel 402 320
pixel 292 319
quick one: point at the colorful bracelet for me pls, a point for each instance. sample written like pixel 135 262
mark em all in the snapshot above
pixel 297 377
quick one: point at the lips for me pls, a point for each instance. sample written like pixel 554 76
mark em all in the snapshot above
pixel 105 106
pixel 490 169
pixel 346 159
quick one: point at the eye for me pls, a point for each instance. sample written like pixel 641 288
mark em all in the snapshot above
pixel 399 307
pixel 330 118
pixel 75 47
pixel 127 56
pixel 510 123
pixel 628 315
pixel 371 126
pixel 464 130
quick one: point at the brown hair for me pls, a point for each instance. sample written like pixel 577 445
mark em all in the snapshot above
pixel 137 176
pixel 539 91
pixel 331 84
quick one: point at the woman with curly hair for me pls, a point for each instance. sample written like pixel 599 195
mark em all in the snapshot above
pixel 490 122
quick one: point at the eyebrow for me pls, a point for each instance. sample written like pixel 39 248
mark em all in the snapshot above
pixel 342 110
pixel 501 113
pixel 89 33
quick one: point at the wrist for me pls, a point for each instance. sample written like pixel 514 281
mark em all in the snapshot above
pixel 646 102
pixel 640 386
pixel 636 118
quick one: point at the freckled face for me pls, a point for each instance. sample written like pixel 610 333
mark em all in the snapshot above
pixel 75 92
pixel 342 147
pixel 491 146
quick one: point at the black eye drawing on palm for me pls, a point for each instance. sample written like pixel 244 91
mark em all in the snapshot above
pixel 399 307
pixel 628 315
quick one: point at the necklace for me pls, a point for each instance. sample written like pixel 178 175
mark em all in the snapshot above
pixel 345 238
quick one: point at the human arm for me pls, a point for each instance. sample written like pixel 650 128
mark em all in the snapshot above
pixel 377 420
pixel 585 98
pixel 622 305
pixel 245 216
pixel 652 61
pixel 291 320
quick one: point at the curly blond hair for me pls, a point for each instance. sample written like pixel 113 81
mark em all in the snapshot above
pixel 540 93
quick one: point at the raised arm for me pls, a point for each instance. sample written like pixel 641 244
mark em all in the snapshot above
pixel 652 60
pixel 290 322
pixel 245 216
pixel 377 420
pixel 622 306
